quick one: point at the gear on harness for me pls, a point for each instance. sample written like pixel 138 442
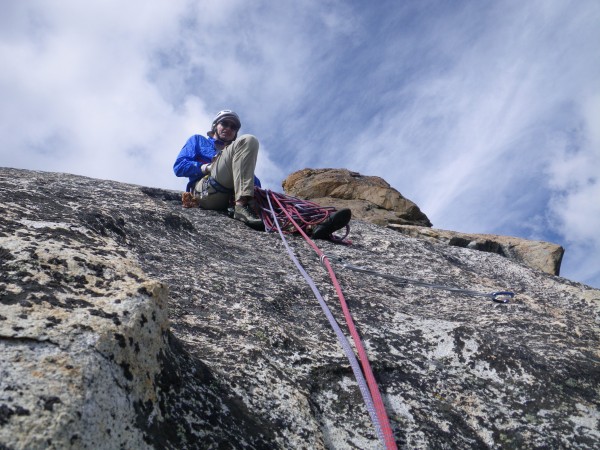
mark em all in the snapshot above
pixel 498 296
pixel 188 200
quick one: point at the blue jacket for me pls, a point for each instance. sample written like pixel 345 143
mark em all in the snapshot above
pixel 197 150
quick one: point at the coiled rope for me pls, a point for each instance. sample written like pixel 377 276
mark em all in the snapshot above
pixel 292 213
pixel 371 395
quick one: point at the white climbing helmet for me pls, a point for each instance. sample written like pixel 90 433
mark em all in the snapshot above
pixel 224 115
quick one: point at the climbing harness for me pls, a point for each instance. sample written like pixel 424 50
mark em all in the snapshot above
pixel 368 387
pixel 498 297
pixel 218 187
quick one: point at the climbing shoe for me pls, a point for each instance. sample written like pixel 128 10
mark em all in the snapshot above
pixel 246 214
pixel 335 221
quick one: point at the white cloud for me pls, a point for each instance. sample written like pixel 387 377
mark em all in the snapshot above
pixel 81 99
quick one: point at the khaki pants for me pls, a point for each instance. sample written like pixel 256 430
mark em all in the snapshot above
pixel 233 168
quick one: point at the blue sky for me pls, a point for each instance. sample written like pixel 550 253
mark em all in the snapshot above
pixel 484 113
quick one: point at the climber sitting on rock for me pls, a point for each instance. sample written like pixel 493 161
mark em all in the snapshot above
pixel 221 166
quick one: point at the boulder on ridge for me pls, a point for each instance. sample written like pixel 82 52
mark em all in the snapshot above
pixel 370 198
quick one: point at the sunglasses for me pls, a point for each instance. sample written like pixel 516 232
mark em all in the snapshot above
pixel 229 124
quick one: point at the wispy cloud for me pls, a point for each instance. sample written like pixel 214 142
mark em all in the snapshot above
pixel 485 114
